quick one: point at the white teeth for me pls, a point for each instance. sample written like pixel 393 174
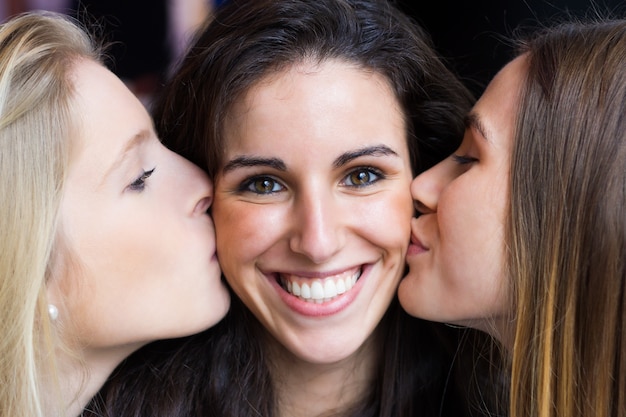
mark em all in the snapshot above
pixel 340 287
pixel 330 289
pixel 319 291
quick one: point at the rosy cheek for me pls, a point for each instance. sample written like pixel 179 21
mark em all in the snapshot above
pixel 392 213
pixel 232 227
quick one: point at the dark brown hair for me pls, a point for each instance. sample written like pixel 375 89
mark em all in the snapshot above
pixel 249 39
pixel 223 371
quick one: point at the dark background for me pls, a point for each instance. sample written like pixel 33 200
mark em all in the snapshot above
pixel 473 35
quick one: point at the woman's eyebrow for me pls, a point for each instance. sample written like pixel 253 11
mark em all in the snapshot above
pixel 134 142
pixel 244 161
pixel 378 150
pixel 473 121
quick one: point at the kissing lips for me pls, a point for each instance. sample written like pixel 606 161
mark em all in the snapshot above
pixel 415 247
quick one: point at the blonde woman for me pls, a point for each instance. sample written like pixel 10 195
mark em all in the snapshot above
pixel 106 241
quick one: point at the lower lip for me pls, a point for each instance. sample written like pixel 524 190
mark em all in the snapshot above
pixel 313 309
pixel 415 249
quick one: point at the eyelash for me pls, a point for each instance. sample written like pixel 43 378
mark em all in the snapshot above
pixel 249 184
pixel 140 183
pixel 464 159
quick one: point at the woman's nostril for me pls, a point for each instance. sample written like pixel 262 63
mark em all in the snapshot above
pixel 203 206
pixel 420 208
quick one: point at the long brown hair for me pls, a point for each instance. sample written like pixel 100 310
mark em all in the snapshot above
pixel 567 225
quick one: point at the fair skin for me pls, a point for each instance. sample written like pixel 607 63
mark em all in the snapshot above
pixel 456 256
pixel 314 196
pixel 140 256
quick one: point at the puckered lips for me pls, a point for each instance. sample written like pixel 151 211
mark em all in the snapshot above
pixel 415 246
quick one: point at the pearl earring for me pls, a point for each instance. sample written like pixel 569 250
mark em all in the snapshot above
pixel 53 312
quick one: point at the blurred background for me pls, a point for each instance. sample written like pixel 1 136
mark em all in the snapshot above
pixel 148 36
pixel 145 37
pixel 474 34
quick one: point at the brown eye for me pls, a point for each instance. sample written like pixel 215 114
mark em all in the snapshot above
pixel 262 185
pixel 362 177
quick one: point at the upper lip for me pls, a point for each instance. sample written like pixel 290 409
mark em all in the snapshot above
pixel 319 274
pixel 414 232
pixel 417 242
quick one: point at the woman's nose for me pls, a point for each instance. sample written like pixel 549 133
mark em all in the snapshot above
pixel 317 227
pixel 427 186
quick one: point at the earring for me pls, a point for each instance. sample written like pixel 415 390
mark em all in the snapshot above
pixel 53 312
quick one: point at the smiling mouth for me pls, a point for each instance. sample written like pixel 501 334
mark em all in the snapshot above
pixel 319 291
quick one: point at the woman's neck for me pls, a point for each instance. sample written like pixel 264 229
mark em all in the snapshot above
pixel 80 379
pixel 305 389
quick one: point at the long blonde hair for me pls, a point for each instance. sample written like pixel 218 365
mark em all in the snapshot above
pixel 37 122
pixel 568 225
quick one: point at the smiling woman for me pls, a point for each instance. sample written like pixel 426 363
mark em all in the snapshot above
pixel 312 117
pixel 85 275
pixel 320 229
